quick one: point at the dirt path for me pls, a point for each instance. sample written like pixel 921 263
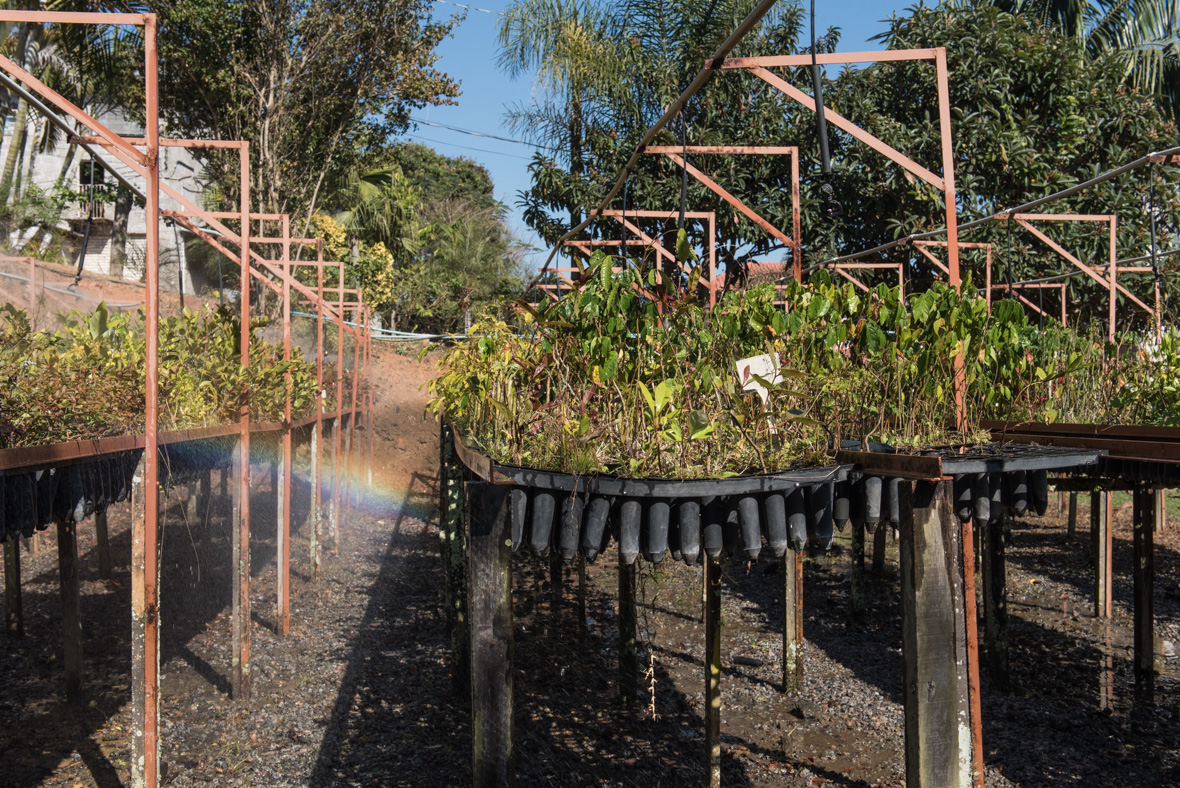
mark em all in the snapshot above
pixel 359 692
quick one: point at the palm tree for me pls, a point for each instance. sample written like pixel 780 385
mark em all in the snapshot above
pixel 378 204
pixel 1144 35
pixel 572 48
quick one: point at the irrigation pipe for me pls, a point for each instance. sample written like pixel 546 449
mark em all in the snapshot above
pixel 697 83
pixel 1106 176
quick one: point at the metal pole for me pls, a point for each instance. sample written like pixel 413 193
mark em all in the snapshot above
pixel 317 435
pixel 241 542
pixel 283 614
pixel 145 568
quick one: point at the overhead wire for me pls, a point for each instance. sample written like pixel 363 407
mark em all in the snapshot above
pixel 479 134
pixel 469 147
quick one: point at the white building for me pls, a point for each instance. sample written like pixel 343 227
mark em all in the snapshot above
pixel 178 167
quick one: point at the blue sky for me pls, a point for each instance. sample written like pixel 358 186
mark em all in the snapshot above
pixel 470 57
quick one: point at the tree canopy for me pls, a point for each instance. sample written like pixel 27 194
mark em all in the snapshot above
pixel 1031 114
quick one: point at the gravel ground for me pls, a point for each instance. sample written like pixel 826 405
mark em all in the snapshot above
pixel 359 692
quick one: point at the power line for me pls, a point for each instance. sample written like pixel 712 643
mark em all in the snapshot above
pixel 470 7
pixel 478 133
pixel 468 147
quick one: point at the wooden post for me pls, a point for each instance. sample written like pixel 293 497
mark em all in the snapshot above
pixel 316 514
pixel 283 539
pixel 14 620
pixel 453 532
pixel 856 588
pixel 1100 550
pixel 145 652
pixel 581 596
pixel 71 613
pixel 1144 571
pixel 1161 509
pixel 934 640
pixel 240 671
pixel 793 621
pixel 1072 527
pixel 879 539
pixel 971 619
pixel 628 650
pixel 490 592
pixel 102 544
pixel 556 586
pixel 712 582
pixel 206 494
pixel 995 600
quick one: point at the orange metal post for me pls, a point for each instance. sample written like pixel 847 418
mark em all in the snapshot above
pixel 150 598
pixel 241 543
pixel 283 590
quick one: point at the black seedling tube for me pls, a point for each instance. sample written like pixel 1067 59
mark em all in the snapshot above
pixel 964 503
pixel 690 531
pixel 894 496
pixel 518 500
pixel 571 527
pixel 842 505
pixel 714 516
pixel 731 531
pixel 630 517
pixel 68 495
pixel 995 484
pixel 981 493
pixel 874 487
pixel 657 531
pixel 594 527
pixel 542 525
pixel 820 507
pixel 751 527
pixel 856 502
pixel 774 520
pixel 1039 491
pixel 797 519
pixel 1018 484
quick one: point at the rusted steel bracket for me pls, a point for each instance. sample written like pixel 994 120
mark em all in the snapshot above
pixel 914 467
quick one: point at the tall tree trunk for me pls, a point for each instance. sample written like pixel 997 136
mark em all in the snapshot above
pixel 64 172
pixel 22 114
pixel 17 142
pixel 575 152
pixel 119 231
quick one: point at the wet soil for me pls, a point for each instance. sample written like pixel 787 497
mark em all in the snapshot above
pixel 359 692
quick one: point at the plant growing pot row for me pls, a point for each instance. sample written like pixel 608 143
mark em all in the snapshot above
pixel 67 493
pixel 688 519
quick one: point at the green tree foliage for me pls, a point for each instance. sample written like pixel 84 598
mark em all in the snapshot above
pixel 1030 115
pixel 1144 35
pixel 313 85
pixel 441 178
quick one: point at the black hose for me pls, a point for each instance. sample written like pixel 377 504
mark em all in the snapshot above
pixel 85 240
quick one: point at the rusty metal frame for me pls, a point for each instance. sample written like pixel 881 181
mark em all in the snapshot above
pixel 759 67
pixel 144 539
pixel 710 217
pixel 1111 282
pixel 792 242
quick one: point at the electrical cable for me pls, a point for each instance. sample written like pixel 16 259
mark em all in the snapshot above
pixel 479 133
pixel 471 8
pixel 468 147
